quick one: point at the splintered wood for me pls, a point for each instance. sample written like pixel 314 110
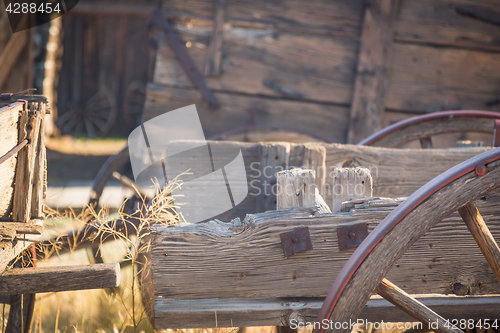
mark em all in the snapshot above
pixel 350 183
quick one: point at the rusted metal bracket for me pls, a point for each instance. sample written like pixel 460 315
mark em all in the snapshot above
pixel 296 241
pixel 187 63
pixel 351 236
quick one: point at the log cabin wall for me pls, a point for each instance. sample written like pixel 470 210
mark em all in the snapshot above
pixel 16 56
pixel 341 69
pixel 105 64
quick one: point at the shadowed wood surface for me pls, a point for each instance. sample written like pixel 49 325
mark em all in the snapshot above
pixel 52 279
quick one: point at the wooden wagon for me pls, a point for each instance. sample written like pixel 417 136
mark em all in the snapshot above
pixel 22 191
pixel 238 273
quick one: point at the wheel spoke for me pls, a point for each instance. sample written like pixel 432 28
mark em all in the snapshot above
pixel 482 236
pixel 411 306
pixel 128 183
pixel 426 143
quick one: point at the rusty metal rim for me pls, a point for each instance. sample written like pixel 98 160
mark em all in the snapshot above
pixel 13 151
pixel 391 221
pixel 427 117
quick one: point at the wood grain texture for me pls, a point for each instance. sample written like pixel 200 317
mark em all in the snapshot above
pixel 273 158
pixel 9 117
pixel 29 129
pixel 411 306
pixel 267 63
pixel 296 188
pixel 348 184
pixel 482 236
pixel 236 110
pixel 374 58
pixel 236 261
pixel 234 312
pixel 426 79
pixel 39 169
pixel 53 279
pixel 341 17
pixel 437 22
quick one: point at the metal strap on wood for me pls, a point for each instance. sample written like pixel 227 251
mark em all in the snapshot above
pixel 14 151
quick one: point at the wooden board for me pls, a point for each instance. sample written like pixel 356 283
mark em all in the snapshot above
pixel 328 121
pixel 268 63
pixel 237 312
pixel 427 79
pixel 9 117
pixel 342 17
pixel 437 22
pixel 33 280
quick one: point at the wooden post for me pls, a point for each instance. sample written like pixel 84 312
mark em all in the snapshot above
pixel 350 183
pixel 367 107
pixel 273 159
pixel 297 188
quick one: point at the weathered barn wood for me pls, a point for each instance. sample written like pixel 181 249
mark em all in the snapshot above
pixel 348 62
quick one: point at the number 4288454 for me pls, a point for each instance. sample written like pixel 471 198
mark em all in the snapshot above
pixel 33 8
pixel 472 324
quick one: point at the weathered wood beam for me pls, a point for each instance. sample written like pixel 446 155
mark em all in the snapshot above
pixel 482 236
pixel 411 306
pixel 296 188
pixel 53 279
pixel 367 107
pixel 241 312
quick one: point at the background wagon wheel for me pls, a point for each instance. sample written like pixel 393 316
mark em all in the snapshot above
pixel 365 270
pixel 423 127
pixel 96 118
pixel 133 103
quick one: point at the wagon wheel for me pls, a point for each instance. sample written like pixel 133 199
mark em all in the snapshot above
pixel 134 103
pixel 423 127
pixel 364 272
pixel 95 119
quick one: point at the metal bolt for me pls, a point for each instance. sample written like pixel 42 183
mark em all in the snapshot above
pixel 297 193
pixel 296 239
pixel 481 170
pixel 352 234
